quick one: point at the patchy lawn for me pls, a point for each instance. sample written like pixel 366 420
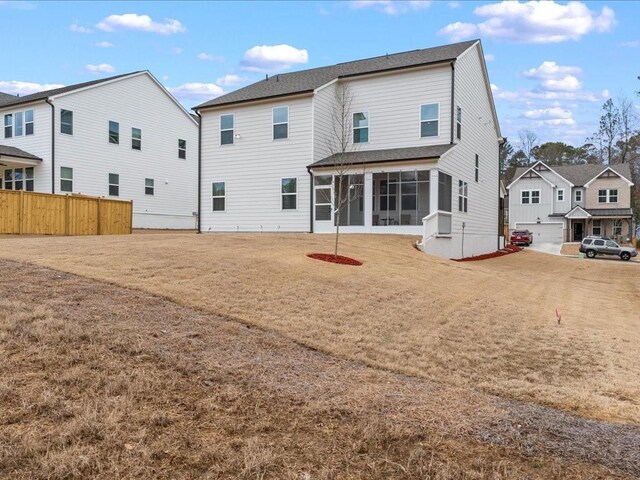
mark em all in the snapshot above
pixel 100 381
pixel 489 324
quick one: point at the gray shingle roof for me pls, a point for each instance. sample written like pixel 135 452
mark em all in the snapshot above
pixel 581 174
pixel 308 80
pixel 389 155
pixel 5 98
pixel 610 212
pixel 16 152
pixel 57 91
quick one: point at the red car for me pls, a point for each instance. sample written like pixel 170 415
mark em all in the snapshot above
pixel 521 237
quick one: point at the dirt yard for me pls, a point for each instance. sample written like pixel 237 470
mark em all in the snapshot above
pixel 490 325
pixel 100 381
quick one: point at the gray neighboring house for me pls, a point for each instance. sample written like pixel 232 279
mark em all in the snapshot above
pixel 568 202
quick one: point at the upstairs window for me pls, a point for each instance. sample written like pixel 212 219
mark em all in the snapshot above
pixel 280 123
pixel 28 122
pixel 149 186
pixel 361 127
pixel 613 195
pixel 578 195
pixel 530 196
pixel 226 129
pixel 66 179
pixel 114 132
pixel 289 193
pixel 66 122
pixel 18 124
pixel 8 125
pixel 462 196
pixel 561 195
pixel 218 196
pixel 114 185
pixel 182 149
pixel 477 167
pixel 459 123
pixel 429 115
pixel 608 195
pixel 136 139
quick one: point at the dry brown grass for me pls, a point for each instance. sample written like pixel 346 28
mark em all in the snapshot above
pixel 488 324
pixel 99 381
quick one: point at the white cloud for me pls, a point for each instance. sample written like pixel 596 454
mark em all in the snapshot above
pixel 454 4
pixel 199 91
pixel 18 5
pixel 165 78
pixel 74 27
pixel 267 58
pixel 391 7
pixel 556 78
pixel 605 94
pixel 104 44
pixel 207 57
pixel 489 57
pixel 565 84
pixel 177 50
pixel 631 44
pixel 26 88
pixel 101 68
pixel 230 80
pixel 533 22
pixel 133 21
pixel 548 113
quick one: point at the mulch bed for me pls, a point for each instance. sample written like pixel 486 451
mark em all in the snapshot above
pixel 500 253
pixel 339 259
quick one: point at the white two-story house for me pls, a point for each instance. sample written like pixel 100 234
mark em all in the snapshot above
pixel 567 202
pixel 420 154
pixel 123 137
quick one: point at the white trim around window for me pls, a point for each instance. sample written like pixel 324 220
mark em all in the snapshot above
pixel 288 199
pixel 577 195
pixel 224 132
pixel 218 196
pixel 278 124
pixel 429 119
pixel 531 196
pixel 560 195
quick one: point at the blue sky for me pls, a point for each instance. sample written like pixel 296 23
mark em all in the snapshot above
pixel 551 64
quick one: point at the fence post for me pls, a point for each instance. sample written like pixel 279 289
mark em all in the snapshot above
pixel 66 215
pixel 21 214
pixel 98 221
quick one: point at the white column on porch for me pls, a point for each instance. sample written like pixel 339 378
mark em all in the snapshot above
pixel 368 202
pixel 433 190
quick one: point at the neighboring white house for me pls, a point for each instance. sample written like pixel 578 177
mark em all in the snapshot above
pixel 422 153
pixel 567 202
pixel 120 137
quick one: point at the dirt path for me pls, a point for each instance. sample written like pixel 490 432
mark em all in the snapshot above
pixel 103 381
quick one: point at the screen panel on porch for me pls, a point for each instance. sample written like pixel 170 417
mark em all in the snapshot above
pixel 352 204
pixel 400 198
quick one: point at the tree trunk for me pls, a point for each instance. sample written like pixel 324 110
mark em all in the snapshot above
pixel 338 213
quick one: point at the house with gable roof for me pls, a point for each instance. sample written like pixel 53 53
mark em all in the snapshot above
pixel 123 137
pixel 422 155
pixel 568 202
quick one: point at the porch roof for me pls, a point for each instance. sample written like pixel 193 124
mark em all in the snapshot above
pixel 13 154
pixel 380 156
pixel 610 212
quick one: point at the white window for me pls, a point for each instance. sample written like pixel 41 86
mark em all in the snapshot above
pixel 477 167
pixel 560 194
pixel 66 179
pixel 578 195
pixel 322 186
pixel 361 127
pixel 218 196
pixel 114 185
pixel 459 123
pixel 529 196
pixel 182 149
pixel 280 123
pixel 608 195
pixel 66 122
pixel 8 125
pixel 596 228
pixel 149 186
pixel 18 124
pixel 429 116
pixel 28 122
pixel 226 129
pixel 18 179
pixel 289 193
pixel 136 139
pixel 462 196
pixel 114 132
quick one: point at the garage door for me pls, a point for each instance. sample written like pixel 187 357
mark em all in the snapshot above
pixel 544 232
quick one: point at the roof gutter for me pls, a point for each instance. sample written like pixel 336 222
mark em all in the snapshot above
pixel 199 171
pixel 453 85
pixel 53 146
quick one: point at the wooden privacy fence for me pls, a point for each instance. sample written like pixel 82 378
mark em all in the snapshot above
pixel 47 214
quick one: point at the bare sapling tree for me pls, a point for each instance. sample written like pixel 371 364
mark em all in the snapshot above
pixel 528 140
pixel 339 147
